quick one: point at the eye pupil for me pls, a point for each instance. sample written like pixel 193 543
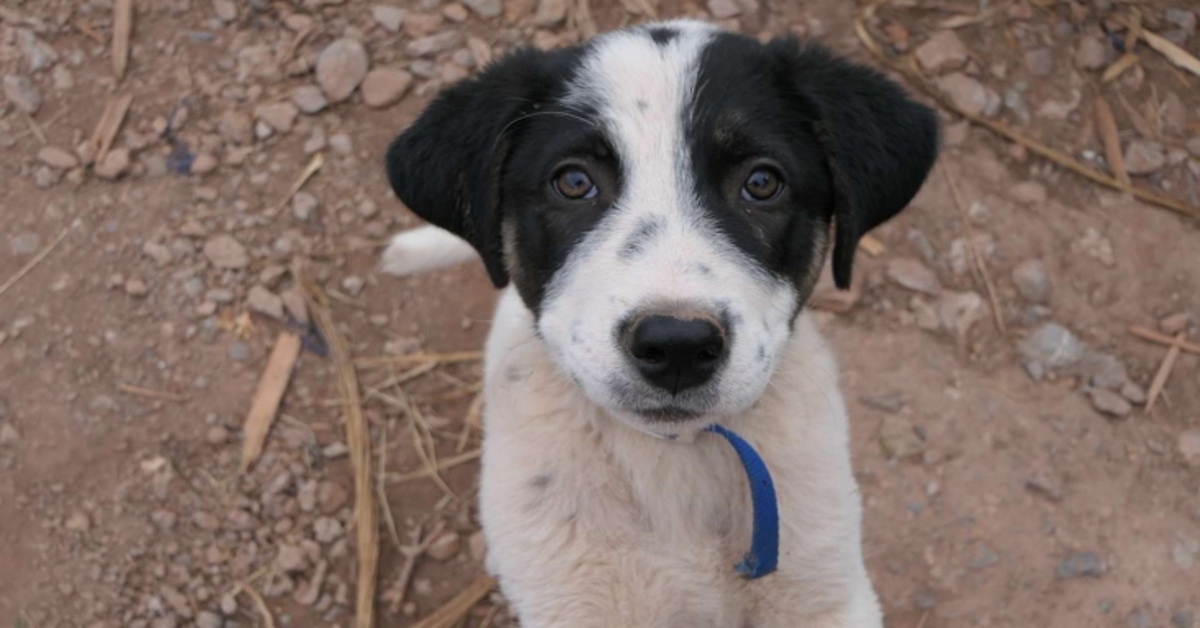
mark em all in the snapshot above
pixel 574 184
pixel 762 185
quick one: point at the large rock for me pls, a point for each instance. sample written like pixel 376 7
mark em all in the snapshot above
pixel 341 68
pixel 942 53
pixel 969 95
pixel 385 86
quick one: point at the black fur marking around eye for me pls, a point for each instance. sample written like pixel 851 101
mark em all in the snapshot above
pixel 663 35
pixel 643 235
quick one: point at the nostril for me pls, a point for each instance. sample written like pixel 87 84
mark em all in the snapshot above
pixel 709 354
pixel 650 355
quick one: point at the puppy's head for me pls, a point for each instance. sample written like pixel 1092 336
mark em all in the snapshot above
pixel 663 199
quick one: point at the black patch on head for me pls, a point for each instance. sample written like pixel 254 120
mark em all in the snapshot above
pixel 850 147
pixel 663 35
pixel 643 234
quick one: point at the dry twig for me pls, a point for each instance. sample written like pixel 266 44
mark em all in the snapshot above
pixel 271 386
pixel 259 603
pixel 399 589
pixel 122 31
pixel 37 259
pixel 110 122
pixel 1106 124
pixel 457 608
pixel 1163 339
pixel 1164 372
pixel 418 358
pixel 980 264
pixel 448 463
pixel 1172 52
pixel 138 391
pixel 313 166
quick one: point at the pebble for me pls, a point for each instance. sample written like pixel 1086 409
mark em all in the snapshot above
pixel 209 619
pixel 160 253
pixel 389 17
pixel 206 521
pixel 958 312
pixel 37 53
pixel 1193 146
pixel 78 522
pixel 239 351
pixel 1028 193
pixel 229 605
pixel 1092 53
pixel 291 559
pixel 724 9
pixel 942 53
pixel 8 435
pixel 1096 246
pixel 327 529
pixel 1040 61
pixel 434 44
pixel 309 99
pixel 1189 447
pixel 341 143
pixel 1175 323
pixel 304 206
pixel 1101 370
pixel 477 546
pixel 445 546
pixel 898 438
pixel 226 10
pixel 552 12
pixel 913 275
pixel 236 127
pixel 114 164
pixel 969 94
pixel 385 86
pixel 136 287
pixel 1141 618
pixel 265 302
pixel 279 116
pixel 353 285
pixel 331 497
pixel 1048 348
pixel 485 9
pixel 1109 403
pixel 204 163
pixel 1184 552
pixel 59 158
pixel 1079 565
pixel 164 520
pixel 341 68
pixel 455 12
pixel 1031 281
pixel 1144 157
pixel 1183 619
pixel 217 435
pixel 22 93
pixel 224 251
pixel 1133 393
pixel 26 243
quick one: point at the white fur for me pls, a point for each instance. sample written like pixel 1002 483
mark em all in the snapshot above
pixel 424 249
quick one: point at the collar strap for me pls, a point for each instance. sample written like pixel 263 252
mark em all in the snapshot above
pixel 763 557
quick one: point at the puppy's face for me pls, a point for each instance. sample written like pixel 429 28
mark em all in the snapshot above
pixel 663 199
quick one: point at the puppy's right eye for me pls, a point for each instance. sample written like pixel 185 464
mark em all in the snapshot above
pixel 574 184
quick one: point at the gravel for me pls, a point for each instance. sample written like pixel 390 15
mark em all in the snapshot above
pixel 1031 281
pixel 913 275
pixel 1080 565
pixel 22 93
pixel 1050 347
pixel 224 251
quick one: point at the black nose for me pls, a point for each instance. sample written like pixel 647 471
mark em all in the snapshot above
pixel 675 353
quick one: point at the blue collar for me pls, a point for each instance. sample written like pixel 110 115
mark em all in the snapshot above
pixel 763 557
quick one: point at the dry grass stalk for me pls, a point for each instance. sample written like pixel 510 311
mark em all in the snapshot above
pixel 1163 339
pixel 37 259
pixel 1140 123
pixel 1164 372
pixel 458 607
pixel 404 377
pixel 138 391
pixel 380 484
pixel 470 422
pixel 1106 124
pixel 976 256
pixel 1118 67
pixel 110 122
pixel 313 166
pixel 358 440
pixel 1003 130
pixel 122 30
pixel 872 246
pixel 448 463
pixel 260 604
pixel 418 358
pixel 1172 52
pixel 265 406
pixel 399 589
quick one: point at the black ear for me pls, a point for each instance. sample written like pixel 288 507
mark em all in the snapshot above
pixel 879 142
pixel 446 167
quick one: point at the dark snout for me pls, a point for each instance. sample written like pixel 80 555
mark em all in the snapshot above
pixel 676 351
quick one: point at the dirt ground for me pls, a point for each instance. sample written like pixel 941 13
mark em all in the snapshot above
pixel 1011 478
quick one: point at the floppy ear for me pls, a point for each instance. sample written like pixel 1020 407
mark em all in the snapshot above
pixel 446 167
pixel 879 143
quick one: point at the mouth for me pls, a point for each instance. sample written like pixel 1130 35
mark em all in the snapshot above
pixel 666 414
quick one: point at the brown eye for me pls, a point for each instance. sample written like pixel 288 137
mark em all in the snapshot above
pixel 574 184
pixel 763 184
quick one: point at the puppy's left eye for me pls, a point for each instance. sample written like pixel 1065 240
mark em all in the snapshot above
pixel 763 184
pixel 574 184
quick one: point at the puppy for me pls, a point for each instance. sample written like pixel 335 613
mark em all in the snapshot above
pixel 657 205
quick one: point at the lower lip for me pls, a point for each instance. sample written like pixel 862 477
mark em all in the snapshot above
pixel 668 415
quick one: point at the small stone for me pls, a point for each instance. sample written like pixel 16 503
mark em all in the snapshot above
pixel 37 53
pixel 331 497
pixel 136 287
pixel 1031 281
pixel 1079 565
pixel 1189 447
pixel 942 53
pixel 1028 193
pixel 78 522
pixel 114 164
pixel 385 86
pixel 455 12
pixel 204 163
pixel 229 605
pixel 209 619
pixel 552 12
pixel 22 93
pixel 291 559
pixel 969 94
pixel 226 10
pixel 335 450
pixel 265 302
pixel 724 9
pixel 958 312
pixel 389 17
pixel 898 438
pixel 477 546
pixel 1109 403
pixel 164 520
pixel 1133 393
pixel 1141 618
pixel 236 127
pixel 206 521
pixel 341 68
pixel 1046 486
pixel 1095 246
pixel 1040 61
pixel 913 275
pixel 418 25
pixel 341 143
pixel 224 251
pixel 1101 370
pixel 925 601
pixel 217 435
pixel 1052 347
pixel 367 208
pixel 59 158
pixel 8 435
pixel 1185 618
pixel 1144 157
pixel 891 402
pixel 434 44
pixel 1093 53
pixel 327 529
pixel 353 284
pixel 309 99
pixel 304 206
pixel 239 351
pixel 445 546
pixel 160 253
pixel 279 116
pixel 486 9
pixel 1175 323
pixel 24 244
pixel 1184 552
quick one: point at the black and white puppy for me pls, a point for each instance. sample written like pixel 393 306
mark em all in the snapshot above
pixel 658 204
